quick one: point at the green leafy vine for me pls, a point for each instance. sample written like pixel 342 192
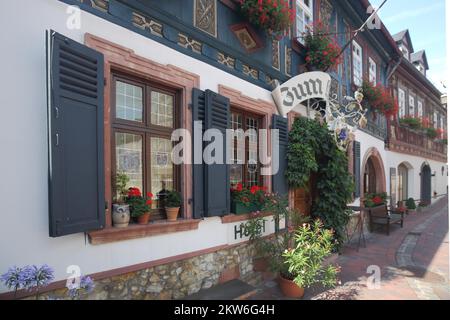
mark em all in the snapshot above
pixel 312 150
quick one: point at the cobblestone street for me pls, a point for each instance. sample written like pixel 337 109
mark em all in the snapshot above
pixel 413 263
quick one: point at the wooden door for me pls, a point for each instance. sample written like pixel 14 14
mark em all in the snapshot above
pixel 303 201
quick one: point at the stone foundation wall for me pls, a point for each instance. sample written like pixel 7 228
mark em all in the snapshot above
pixel 174 280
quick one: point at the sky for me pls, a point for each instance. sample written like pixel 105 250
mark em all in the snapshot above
pixel 425 20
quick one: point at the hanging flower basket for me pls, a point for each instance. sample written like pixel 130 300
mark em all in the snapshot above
pixel 323 51
pixel 273 16
pixel 379 99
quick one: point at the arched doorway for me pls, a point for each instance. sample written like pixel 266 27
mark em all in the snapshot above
pixel 370 177
pixel 425 184
pixel 403 181
pixel 374 177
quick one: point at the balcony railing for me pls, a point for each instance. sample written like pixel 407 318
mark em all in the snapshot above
pixel 416 141
pixel 375 130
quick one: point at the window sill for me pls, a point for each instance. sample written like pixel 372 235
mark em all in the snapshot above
pixel 232 218
pixel 135 231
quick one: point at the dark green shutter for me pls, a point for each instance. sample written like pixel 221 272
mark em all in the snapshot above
pixel 198 177
pixel 75 136
pixel 211 183
pixel 357 167
pixel 279 181
pixel 217 176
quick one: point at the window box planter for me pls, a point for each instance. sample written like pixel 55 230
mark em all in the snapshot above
pixel 239 208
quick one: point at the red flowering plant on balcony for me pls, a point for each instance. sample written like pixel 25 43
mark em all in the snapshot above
pixel 379 99
pixel 323 51
pixel 273 16
pixel 412 122
pixel 139 204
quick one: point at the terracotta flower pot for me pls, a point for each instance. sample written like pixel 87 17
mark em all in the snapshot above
pixel 172 214
pixel 290 289
pixel 144 218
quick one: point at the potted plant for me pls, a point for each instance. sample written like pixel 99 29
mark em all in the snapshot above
pixel 379 99
pixel 431 133
pixel 273 16
pixel 246 200
pixel 323 51
pixel 411 122
pixel 375 199
pixel 140 206
pixel 411 204
pixel 172 205
pixel 121 210
pixel 305 261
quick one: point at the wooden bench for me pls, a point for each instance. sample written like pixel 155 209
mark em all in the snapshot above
pixel 382 216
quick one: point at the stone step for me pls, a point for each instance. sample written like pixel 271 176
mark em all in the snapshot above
pixel 231 290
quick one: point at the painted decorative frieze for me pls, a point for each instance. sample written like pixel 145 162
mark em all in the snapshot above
pixel 247 37
pixel 276 54
pixel 288 60
pixel 205 16
pixel 189 43
pixel 249 71
pixel 147 24
pixel 101 5
pixel 226 60
pixel 326 12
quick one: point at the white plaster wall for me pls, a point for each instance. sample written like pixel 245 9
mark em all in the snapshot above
pixel 23 125
pixel 439 182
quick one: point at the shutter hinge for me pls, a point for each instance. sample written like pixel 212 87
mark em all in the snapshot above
pixel 190 106
pixel 190 200
pixel 104 81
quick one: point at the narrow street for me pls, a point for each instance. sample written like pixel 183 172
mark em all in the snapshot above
pixel 413 263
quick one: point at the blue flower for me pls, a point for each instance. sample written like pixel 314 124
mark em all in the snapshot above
pixel 85 287
pixel 343 135
pixel 34 276
pixel 12 278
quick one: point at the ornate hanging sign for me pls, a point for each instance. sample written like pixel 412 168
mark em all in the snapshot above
pixel 314 88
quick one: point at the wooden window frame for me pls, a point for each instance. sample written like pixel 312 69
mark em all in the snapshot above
pixel 145 128
pixel 245 115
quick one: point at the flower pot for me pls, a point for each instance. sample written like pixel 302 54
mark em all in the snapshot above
pixel 143 220
pixel 260 264
pixel 121 215
pixel 290 289
pixel 172 214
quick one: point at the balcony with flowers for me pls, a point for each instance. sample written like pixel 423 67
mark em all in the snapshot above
pixel 416 135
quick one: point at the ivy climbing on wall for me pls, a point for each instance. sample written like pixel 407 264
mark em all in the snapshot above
pixel 312 150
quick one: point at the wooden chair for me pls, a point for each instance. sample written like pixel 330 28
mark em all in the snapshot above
pixel 382 216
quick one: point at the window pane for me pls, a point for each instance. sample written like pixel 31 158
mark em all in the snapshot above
pixel 129 105
pixel 162 109
pixel 129 157
pixel 237 155
pixel 161 168
pixel 252 155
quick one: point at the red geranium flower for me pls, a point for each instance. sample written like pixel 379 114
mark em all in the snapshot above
pixel 377 200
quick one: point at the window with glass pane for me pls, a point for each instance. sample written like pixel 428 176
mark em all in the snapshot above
pixel 162 109
pixel 143 144
pixel 161 168
pixel 304 17
pixel 245 167
pixel 129 102
pixel 237 155
pixel 129 157
pixel 357 64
